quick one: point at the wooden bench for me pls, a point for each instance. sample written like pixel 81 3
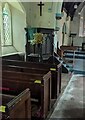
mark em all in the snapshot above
pixel 24 69
pixel 65 48
pixel 40 68
pixel 38 84
pixel 16 106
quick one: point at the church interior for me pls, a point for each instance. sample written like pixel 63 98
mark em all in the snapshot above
pixel 42 60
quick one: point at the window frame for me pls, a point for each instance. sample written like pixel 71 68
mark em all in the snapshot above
pixel 10 29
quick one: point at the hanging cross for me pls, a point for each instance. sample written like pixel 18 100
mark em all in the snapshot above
pixel 40 5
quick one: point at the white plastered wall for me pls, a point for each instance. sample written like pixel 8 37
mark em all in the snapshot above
pixel 18 23
pixel 48 15
pixel 75 26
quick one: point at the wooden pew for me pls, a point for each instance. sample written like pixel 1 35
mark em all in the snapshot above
pixel 55 72
pixel 39 86
pixel 65 48
pixel 24 69
pixel 16 106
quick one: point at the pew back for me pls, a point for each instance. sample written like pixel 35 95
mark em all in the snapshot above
pixel 40 68
pixel 38 84
pixel 16 106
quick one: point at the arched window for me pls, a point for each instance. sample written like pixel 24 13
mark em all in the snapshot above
pixel 6 21
pixel 82 27
pixel 63 32
pixel 82 23
pixel 64 28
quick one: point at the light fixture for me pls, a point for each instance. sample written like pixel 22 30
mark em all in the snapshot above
pixel 58 16
pixel 79 13
pixel 81 17
pixel 75 6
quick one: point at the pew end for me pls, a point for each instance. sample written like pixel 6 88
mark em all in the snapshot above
pixel 16 106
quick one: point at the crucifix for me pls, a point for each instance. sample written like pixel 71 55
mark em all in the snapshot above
pixel 40 5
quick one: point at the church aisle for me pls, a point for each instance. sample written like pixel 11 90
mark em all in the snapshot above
pixel 70 105
pixel 65 77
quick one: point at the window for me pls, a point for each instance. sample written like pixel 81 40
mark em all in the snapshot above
pixel 6 18
pixel 81 30
pixel 82 23
pixel 63 32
